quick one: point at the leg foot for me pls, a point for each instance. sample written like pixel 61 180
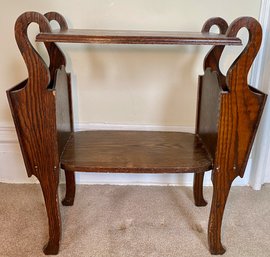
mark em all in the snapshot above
pixel 51 248
pixel 198 189
pixel 70 188
pixel 219 250
pixel 49 185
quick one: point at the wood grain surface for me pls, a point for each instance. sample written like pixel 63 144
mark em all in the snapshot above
pixel 240 112
pixel 136 37
pixel 210 86
pixel 34 112
pixel 229 112
pixel 135 152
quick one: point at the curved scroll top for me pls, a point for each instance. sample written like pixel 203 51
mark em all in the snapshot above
pixel 212 58
pixel 246 58
pixel 32 59
pixel 219 22
pixel 57 58
pixel 54 16
pixel 35 64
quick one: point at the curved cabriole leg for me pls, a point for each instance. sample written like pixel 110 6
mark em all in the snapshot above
pixel 49 185
pixel 221 188
pixel 198 189
pixel 70 188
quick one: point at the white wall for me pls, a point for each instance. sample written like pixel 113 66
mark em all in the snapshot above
pixel 261 150
pixel 138 86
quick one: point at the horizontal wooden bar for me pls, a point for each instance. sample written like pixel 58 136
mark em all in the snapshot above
pixel 136 37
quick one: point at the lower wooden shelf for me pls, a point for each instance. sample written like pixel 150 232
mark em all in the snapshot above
pixel 135 152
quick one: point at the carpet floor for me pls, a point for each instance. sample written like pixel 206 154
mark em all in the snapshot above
pixel 133 221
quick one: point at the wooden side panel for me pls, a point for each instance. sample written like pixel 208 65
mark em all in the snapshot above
pixel 242 107
pixel 64 122
pixel 210 86
pixel 208 110
pixel 61 85
pixel 239 120
pixel 35 125
pixel 41 113
pixel 33 105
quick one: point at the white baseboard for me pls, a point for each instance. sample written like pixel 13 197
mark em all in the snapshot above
pixel 12 168
pixel 108 126
pixel 7 134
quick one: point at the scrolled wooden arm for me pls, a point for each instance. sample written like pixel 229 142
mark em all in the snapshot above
pixel 211 60
pixel 246 58
pixel 32 59
pixel 218 21
pixel 57 57
pixel 54 16
pixel 243 105
pixel 32 104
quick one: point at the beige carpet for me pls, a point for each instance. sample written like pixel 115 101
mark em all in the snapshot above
pixel 133 221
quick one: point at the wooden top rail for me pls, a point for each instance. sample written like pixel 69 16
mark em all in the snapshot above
pixel 136 37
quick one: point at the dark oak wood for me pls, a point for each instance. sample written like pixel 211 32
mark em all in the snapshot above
pixel 198 189
pixel 57 58
pixel 212 58
pixel 63 119
pixel 135 152
pixel 34 110
pixel 136 37
pixel 208 110
pixel 61 83
pixel 240 112
pixel 70 188
pixel 208 105
pixel 228 114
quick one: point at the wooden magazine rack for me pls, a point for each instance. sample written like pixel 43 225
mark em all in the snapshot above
pixel 228 114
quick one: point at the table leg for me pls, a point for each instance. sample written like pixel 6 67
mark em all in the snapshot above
pixel 198 189
pixel 70 188
pixel 49 185
pixel 221 188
